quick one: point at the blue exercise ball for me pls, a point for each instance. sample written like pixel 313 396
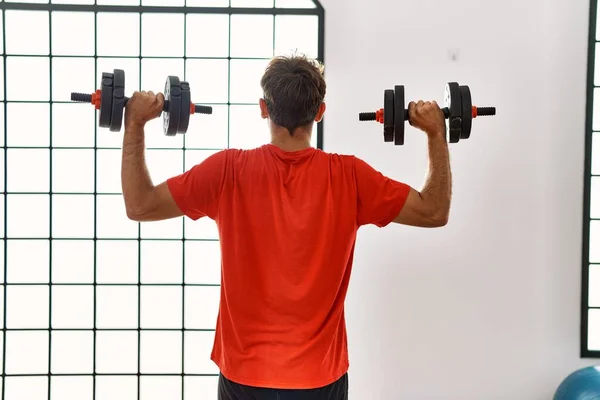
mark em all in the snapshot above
pixel 583 384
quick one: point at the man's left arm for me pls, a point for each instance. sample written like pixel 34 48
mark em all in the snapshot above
pixel 194 193
pixel 143 201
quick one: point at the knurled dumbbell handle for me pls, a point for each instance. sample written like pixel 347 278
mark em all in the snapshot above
pixel 195 109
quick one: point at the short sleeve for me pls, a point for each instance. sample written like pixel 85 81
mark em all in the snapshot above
pixel 196 192
pixel 380 199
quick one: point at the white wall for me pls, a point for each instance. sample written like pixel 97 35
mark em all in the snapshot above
pixel 487 307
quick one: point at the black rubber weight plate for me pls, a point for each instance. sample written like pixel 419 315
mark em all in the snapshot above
pixel 186 99
pixel 106 100
pixel 118 100
pixel 467 112
pixel 173 96
pixel 399 115
pixel 388 116
pixel 452 100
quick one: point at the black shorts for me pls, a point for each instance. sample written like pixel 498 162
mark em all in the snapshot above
pixel 229 390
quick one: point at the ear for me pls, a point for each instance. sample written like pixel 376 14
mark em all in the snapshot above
pixel 322 109
pixel 264 112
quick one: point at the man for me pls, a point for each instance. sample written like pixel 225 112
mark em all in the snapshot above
pixel 287 216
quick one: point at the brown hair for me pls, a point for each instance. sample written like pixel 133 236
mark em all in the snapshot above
pixel 294 89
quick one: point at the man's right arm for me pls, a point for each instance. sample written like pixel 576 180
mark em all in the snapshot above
pixel 430 208
pixel 382 200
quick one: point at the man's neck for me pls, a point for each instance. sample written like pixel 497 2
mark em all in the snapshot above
pixel 286 142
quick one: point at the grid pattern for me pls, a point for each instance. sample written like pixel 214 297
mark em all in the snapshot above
pixel 590 305
pixel 93 305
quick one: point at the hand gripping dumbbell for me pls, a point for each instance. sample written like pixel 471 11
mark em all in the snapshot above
pixel 110 100
pixel 458 109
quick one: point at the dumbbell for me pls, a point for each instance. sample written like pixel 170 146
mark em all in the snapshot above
pixel 110 100
pixel 458 109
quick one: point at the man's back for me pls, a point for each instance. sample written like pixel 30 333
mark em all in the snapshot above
pixel 287 223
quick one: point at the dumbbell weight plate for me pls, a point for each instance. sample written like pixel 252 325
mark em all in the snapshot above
pixel 467 112
pixel 186 99
pixel 399 115
pixel 106 100
pixel 118 100
pixel 172 116
pixel 388 116
pixel 452 100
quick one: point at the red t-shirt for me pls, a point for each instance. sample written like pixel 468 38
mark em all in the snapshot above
pixel 287 225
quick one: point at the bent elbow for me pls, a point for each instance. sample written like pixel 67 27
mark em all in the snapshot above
pixel 440 220
pixel 134 214
pixel 138 206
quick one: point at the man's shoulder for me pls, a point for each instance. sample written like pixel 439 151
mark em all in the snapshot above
pixel 346 159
